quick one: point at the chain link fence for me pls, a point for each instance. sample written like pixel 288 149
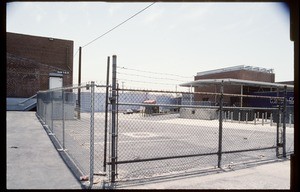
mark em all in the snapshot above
pixel 77 125
pixel 158 135
pixel 152 133
pixel 112 135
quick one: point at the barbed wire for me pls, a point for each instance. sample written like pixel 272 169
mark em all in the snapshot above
pixel 148 82
pixel 151 77
pixel 175 75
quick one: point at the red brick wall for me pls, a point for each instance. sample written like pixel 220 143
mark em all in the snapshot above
pixel 30 59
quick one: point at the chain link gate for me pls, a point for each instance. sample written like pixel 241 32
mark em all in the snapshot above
pixel 141 143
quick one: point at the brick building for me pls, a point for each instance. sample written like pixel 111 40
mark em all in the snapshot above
pixel 240 72
pixel 33 60
pixel 237 82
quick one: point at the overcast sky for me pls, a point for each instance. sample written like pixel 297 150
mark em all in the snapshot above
pixel 167 38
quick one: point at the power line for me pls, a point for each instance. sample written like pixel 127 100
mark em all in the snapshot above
pixel 75 53
pixel 154 72
pixel 119 24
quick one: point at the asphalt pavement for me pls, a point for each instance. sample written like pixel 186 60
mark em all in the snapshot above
pixel 269 176
pixel 34 163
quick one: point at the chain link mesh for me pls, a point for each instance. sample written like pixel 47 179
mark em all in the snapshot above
pixel 157 133
pixel 72 126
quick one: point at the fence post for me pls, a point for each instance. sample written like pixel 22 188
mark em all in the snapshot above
pixel 63 117
pixel 37 104
pixel 271 119
pixel 277 131
pixel 290 120
pixel 284 122
pixel 79 84
pixel 254 118
pixel 280 119
pixel 106 114
pixel 52 112
pixel 113 128
pixel 44 108
pixel 266 116
pixel 220 127
pixel 92 134
pixel 117 127
pixel 262 118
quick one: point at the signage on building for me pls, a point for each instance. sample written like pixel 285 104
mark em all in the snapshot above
pixel 63 72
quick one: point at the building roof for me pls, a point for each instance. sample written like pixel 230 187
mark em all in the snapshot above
pixel 207 82
pixel 236 68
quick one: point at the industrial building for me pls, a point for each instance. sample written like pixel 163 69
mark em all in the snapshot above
pixel 240 72
pixel 35 63
pixel 237 80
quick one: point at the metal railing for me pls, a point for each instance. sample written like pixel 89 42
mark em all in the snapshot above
pixel 23 105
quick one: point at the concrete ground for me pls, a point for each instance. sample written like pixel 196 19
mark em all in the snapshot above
pixel 268 176
pixel 34 163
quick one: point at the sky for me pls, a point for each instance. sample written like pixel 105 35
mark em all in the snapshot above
pixel 166 44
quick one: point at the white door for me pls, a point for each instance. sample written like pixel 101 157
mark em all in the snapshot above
pixel 55 82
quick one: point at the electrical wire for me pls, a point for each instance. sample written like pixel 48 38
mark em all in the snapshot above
pixel 76 53
pixel 119 24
